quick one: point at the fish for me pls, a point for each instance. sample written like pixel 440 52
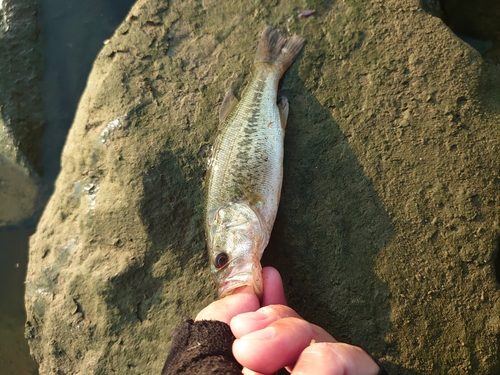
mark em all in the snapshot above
pixel 245 170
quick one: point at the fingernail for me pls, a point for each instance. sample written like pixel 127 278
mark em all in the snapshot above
pixel 254 315
pixel 264 334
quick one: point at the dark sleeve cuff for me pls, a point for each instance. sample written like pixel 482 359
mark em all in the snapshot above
pixel 382 370
pixel 202 347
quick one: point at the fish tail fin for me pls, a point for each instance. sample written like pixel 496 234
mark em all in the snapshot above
pixel 277 50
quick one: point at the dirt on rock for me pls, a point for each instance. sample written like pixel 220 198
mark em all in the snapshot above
pixel 388 226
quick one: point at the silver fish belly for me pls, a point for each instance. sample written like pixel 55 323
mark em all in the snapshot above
pixel 246 168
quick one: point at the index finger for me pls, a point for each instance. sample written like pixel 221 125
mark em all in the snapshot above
pixel 244 300
pixel 240 301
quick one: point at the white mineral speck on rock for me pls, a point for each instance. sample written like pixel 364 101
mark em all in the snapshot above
pixel 110 127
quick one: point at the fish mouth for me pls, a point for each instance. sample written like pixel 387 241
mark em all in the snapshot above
pixel 241 275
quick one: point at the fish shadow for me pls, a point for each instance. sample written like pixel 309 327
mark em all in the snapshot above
pixel 331 225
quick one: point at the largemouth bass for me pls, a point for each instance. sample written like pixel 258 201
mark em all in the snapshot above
pixel 245 170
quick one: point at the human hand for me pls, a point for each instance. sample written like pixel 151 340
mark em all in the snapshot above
pixel 275 336
pixel 244 300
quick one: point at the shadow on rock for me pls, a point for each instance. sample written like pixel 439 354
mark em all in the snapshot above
pixel 171 212
pixel 330 227
pixel 172 208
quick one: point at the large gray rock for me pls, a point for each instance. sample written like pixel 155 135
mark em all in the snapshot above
pixel 388 224
pixel 21 117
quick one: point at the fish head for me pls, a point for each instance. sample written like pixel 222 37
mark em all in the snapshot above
pixel 236 238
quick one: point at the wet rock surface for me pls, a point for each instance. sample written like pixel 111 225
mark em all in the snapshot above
pixel 387 231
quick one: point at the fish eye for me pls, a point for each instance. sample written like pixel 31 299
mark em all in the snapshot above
pixel 221 260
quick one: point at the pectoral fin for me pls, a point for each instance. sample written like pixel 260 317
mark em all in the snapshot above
pixel 228 104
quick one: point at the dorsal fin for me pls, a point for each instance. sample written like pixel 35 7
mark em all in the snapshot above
pixel 228 104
